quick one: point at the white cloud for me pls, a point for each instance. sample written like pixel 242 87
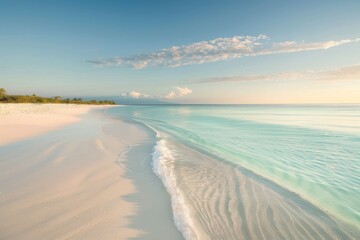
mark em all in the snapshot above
pixel 170 95
pixel 339 74
pixel 134 94
pixel 183 91
pixel 178 92
pixel 218 49
pixel 344 73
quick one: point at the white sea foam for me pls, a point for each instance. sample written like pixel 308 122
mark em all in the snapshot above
pixel 163 167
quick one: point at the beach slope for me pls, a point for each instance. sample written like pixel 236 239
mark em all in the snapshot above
pixel 59 173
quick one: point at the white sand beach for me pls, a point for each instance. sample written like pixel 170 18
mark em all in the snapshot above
pixel 19 121
pixel 64 174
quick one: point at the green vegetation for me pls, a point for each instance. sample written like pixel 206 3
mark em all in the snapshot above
pixel 5 98
pixel 2 92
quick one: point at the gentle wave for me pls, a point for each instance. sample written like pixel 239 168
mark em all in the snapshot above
pixel 216 200
pixel 234 178
pixel 302 160
pixel 161 157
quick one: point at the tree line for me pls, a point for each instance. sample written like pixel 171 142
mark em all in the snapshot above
pixel 6 98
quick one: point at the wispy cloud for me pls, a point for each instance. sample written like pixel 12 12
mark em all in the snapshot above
pixel 177 92
pixel 219 49
pixel 344 73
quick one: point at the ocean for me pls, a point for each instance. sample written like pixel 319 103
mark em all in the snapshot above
pixel 257 171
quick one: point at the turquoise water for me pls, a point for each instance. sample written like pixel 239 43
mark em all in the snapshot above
pixel 311 151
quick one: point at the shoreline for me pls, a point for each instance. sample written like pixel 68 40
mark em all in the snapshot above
pixel 290 205
pixel 88 179
pixel 252 192
pixel 106 175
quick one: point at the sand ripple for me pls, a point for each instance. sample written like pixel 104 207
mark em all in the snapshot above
pixel 227 202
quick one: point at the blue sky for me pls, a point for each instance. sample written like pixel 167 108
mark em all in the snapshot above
pixel 183 51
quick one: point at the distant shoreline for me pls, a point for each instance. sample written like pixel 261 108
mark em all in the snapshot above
pixel 6 98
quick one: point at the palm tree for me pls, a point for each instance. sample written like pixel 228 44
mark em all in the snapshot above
pixel 57 99
pixel 2 92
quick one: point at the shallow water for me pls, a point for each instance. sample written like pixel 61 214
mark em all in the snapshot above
pixel 258 172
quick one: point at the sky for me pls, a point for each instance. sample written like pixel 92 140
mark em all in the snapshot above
pixel 241 52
